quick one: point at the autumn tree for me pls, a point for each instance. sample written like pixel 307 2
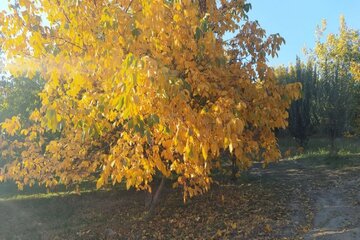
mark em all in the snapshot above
pixel 136 88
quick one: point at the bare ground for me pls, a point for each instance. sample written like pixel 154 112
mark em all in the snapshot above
pixel 303 199
pixel 337 207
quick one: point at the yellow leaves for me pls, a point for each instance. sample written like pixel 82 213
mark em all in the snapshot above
pixel 112 115
pixel 226 142
pixel 205 150
pixel 355 70
pixel 20 186
pixel 214 149
pixel 100 182
pixel 11 125
pixel 198 105
pixel 79 82
pixel 32 136
pixel 160 165
pixel 231 148
pixel 167 155
pixel 294 90
pixel 106 18
pixel 167 144
pixel 37 43
pixel 24 132
pixel 176 18
pixel 118 178
pixel 52 119
pixel 54 78
pixel 177 6
pixel 129 183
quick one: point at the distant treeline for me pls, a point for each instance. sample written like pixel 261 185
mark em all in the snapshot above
pixel 330 103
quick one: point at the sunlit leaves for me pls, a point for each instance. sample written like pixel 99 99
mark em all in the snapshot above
pixel 355 70
pixel 140 88
pixel 11 126
pixel 52 119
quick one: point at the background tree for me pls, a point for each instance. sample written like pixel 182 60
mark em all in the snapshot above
pixel 140 88
pixel 302 117
pixel 330 96
pixel 337 89
pixel 355 71
pixel 19 97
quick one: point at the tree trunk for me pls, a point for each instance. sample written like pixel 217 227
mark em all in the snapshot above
pixel 153 199
pixel 234 168
pixel 333 149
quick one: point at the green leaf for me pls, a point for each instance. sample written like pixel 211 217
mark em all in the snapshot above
pixel 204 26
pixel 152 120
pixel 247 7
pixel 121 103
pixel 136 32
pixel 198 33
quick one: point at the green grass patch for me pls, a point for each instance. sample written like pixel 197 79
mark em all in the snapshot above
pixel 318 151
pixel 9 191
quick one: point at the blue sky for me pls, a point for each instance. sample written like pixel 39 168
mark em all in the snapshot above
pixel 296 21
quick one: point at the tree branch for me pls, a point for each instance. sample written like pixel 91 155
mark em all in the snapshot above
pixel 128 7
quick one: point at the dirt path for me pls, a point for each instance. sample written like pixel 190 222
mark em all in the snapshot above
pixel 337 212
pixel 325 199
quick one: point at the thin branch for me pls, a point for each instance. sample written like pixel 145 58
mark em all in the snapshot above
pixel 128 7
pixel 71 43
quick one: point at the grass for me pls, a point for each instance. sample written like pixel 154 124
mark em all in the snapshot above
pixel 318 151
pixel 9 191
pixel 322 145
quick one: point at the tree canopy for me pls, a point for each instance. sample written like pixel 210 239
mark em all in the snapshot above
pixel 135 88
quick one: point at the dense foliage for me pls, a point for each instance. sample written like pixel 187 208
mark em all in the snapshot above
pixel 303 117
pixel 135 88
pixel 19 97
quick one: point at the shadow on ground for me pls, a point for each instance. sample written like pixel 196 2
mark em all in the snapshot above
pixel 293 199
